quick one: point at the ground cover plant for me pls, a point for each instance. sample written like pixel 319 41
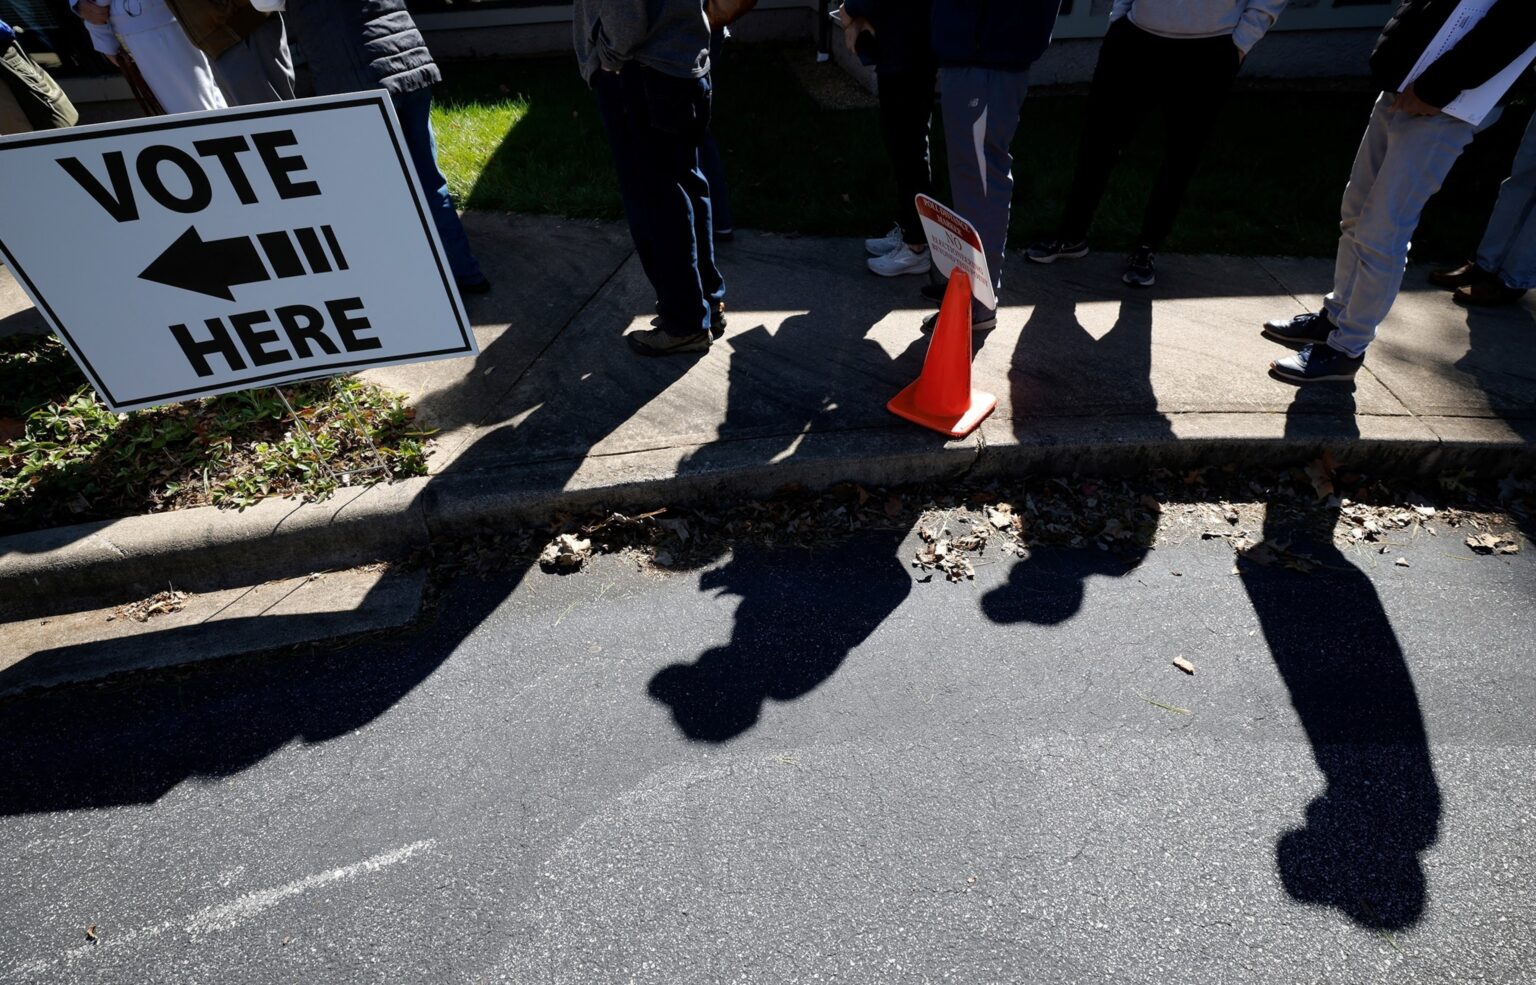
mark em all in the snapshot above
pixel 65 458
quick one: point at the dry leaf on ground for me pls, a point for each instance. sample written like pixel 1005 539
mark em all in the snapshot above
pixel 566 552
pixel 1490 543
pixel 156 605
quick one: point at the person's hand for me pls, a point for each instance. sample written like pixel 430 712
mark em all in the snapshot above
pixel 1409 102
pixel 93 13
pixel 1241 54
pixel 853 28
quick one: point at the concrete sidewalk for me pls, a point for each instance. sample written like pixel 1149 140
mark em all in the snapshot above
pixel 1089 374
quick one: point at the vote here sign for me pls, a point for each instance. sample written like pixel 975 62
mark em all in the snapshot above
pixel 203 253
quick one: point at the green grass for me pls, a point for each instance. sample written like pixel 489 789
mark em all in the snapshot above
pixel 524 136
pixel 65 458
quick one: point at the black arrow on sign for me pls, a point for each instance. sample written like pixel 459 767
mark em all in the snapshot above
pixel 213 267
pixel 210 268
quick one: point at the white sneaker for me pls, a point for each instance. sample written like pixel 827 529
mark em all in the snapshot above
pixel 885 244
pixel 901 260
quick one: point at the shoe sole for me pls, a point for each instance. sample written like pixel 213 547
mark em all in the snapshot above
pixel 1467 302
pixel 1277 373
pixel 1074 255
pixel 692 349
pixel 1128 279
pixel 901 273
pixel 985 325
pixel 1294 341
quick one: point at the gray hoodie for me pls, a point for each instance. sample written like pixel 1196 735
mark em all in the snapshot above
pixel 1245 20
pixel 670 36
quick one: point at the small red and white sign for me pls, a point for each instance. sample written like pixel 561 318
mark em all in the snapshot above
pixel 955 243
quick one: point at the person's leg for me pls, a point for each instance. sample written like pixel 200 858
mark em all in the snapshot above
pixel 1419 153
pixel 259 67
pixel 1202 71
pixel 1369 157
pixel 906 115
pixel 1117 104
pixel 39 98
pixel 981 114
pixel 654 125
pixel 710 161
pixel 176 72
pixel 703 199
pixel 414 110
pixel 1508 248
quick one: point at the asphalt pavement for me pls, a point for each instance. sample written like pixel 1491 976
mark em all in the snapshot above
pixel 802 767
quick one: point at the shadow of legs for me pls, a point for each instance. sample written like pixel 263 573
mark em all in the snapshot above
pixel 1328 634
pixel 797 621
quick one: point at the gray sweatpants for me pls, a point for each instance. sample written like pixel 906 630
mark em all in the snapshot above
pixel 981 114
pixel 257 69
pixel 1402 161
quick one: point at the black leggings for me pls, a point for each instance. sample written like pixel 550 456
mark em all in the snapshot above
pixel 1138 72
pixel 906 113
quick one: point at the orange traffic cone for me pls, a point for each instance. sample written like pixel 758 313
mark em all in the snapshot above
pixel 942 398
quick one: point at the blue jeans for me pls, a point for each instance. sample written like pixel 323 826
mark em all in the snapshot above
pixel 415 112
pixel 1402 161
pixel 981 109
pixel 1509 244
pixel 710 161
pixel 655 124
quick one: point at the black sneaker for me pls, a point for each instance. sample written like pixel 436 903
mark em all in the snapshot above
pixel 474 285
pixel 1051 250
pixel 1317 363
pixel 1304 329
pixel 660 342
pixel 1140 271
pixel 717 320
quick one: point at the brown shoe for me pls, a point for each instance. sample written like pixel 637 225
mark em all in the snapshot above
pixel 1488 294
pixel 1462 276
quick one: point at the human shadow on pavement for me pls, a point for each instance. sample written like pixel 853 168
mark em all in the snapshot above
pixel 1357 850
pixel 1501 357
pixel 799 618
pixel 80 747
pixel 800 615
pixel 1059 364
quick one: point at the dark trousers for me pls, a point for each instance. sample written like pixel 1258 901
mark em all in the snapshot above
pixel 41 100
pixel 710 160
pixel 1137 73
pixel 655 124
pixel 906 113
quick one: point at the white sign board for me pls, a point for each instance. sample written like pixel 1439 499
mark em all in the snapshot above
pixel 1471 105
pixel 190 255
pixel 955 243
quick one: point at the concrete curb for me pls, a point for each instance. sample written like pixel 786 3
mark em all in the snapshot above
pixel 203 549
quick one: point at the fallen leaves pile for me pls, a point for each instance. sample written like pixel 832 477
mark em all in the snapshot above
pixel 1265 519
pixel 159 604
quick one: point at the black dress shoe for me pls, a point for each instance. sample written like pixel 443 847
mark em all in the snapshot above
pixel 1462 276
